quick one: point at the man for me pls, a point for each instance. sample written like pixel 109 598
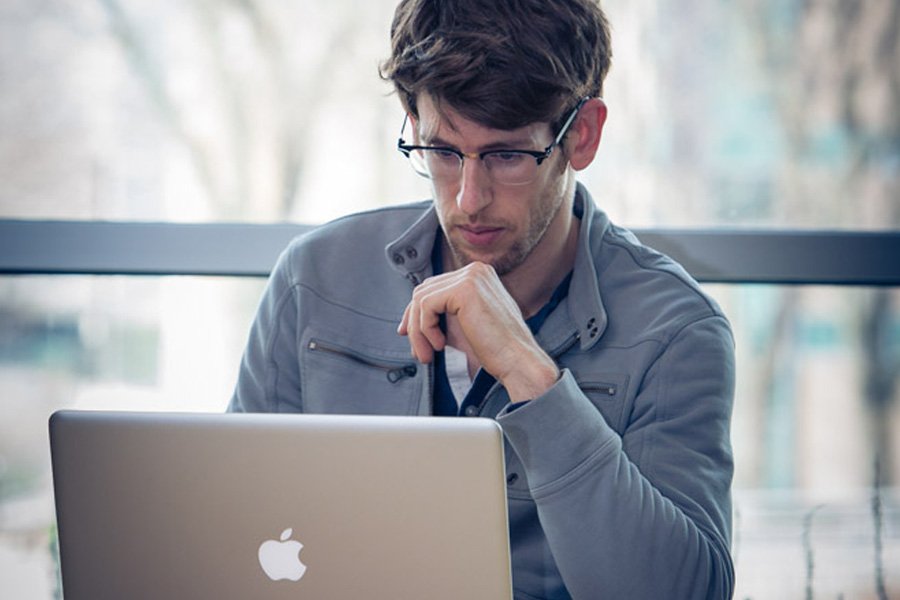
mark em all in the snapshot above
pixel 610 372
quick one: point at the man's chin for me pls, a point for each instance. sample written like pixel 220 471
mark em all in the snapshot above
pixel 462 257
pixel 503 263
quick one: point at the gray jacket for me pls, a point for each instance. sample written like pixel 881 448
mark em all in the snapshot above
pixel 619 476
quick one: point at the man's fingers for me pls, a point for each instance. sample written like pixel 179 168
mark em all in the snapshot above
pixel 403 328
pixel 421 318
pixel 430 327
pixel 423 341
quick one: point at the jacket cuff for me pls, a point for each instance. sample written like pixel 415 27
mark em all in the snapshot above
pixel 558 431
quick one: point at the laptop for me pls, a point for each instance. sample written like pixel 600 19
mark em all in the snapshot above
pixel 173 505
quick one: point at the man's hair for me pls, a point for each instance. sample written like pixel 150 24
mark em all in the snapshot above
pixel 500 63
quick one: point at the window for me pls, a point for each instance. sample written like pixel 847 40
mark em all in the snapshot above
pixel 776 114
pixel 809 424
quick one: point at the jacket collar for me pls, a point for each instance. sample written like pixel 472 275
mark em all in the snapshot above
pixel 410 254
pixel 584 314
pixel 581 316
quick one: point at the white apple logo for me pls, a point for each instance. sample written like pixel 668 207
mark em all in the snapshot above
pixel 281 560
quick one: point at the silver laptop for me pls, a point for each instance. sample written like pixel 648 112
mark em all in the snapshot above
pixel 158 505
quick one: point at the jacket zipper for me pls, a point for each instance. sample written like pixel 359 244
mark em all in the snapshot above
pixel 393 372
pixel 602 388
pixel 565 346
pixel 608 390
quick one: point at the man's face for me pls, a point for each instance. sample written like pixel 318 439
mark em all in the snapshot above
pixel 500 225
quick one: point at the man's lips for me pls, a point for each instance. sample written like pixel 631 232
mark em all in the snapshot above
pixel 478 235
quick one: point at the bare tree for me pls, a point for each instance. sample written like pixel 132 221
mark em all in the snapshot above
pixel 292 105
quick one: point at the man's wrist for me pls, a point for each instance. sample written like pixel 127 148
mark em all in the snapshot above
pixel 531 379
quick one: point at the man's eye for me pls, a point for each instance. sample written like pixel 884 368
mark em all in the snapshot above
pixel 507 158
pixel 444 155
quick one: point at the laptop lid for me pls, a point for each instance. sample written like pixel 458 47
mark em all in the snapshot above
pixel 159 505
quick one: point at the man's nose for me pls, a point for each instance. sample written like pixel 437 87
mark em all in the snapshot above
pixel 474 186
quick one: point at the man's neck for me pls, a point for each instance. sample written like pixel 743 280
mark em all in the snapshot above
pixel 532 283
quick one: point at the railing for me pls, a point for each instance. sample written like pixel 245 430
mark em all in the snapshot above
pixel 230 249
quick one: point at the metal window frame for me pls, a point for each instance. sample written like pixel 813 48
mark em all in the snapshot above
pixel 818 257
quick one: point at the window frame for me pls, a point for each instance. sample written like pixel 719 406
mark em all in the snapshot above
pixel 774 256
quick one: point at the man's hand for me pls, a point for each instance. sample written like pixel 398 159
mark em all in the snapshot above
pixel 490 322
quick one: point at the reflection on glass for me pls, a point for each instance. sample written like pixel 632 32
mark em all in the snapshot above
pixel 816 435
pixel 751 113
pixel 817 401
pixel 121 343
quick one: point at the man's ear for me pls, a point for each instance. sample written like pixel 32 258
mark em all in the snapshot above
pixel 583 139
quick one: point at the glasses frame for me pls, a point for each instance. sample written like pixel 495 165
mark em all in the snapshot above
pixel 539 155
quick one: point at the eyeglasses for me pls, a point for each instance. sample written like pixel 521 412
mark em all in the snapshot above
pixel 505 167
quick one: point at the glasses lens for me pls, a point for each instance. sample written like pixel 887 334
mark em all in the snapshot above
pixel 505 168
pixel 417 160
pixel 511 168
pixel 442 164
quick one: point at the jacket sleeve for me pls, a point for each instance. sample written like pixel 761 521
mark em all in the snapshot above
pixel 269 375
pixel 648 514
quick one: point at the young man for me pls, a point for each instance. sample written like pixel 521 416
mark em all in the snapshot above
pixel 511 296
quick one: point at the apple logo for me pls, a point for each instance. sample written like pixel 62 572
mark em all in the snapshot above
pixel 281 559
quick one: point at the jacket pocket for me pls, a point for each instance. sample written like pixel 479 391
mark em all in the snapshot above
pixel 340 379
pixel 608 393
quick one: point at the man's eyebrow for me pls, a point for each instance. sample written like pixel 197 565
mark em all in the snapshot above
pixel 437 141
pixel 519 143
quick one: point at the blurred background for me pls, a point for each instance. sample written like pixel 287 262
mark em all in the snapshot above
pixel 751 113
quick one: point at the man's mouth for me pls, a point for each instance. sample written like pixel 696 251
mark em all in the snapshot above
pixel 480 236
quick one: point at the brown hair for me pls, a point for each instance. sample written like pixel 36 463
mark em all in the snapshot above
pixel 501 63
